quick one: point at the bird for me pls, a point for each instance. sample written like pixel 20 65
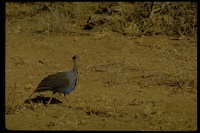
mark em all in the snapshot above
pixel 61 82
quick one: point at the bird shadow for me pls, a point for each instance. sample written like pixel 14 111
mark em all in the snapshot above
pixel 43 100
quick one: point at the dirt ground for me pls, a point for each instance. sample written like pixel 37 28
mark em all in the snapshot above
pixel 145 83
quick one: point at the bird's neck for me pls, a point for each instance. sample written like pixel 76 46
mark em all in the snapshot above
pixel 75 67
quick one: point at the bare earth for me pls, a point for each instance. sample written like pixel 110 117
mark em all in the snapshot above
pixel 125 83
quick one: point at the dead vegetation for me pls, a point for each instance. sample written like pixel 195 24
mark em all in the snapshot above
pixel 127 18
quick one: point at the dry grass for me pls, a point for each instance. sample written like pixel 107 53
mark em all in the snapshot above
pixel 128 18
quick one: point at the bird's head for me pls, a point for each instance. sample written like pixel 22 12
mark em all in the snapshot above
pixel 75 57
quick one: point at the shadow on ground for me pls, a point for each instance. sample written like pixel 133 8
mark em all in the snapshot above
pixel 43 100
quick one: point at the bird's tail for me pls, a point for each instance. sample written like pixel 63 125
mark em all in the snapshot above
pixel 31 95
pixel 41 89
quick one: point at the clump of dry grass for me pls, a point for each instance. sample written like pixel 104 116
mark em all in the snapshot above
pixel 186 80
pixel 127 18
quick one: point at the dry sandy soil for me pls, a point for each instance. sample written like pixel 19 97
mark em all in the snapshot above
pixel 145 83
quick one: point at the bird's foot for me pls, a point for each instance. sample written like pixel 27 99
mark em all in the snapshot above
pixel 69 105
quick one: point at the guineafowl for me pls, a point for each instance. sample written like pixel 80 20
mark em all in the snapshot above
pixel 62 82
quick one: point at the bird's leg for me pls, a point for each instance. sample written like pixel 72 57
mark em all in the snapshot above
pixel 30 102
pixel 30 97
pixel 50 99
pixel 69 103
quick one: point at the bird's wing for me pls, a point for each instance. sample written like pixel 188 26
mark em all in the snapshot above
pixel 54 82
